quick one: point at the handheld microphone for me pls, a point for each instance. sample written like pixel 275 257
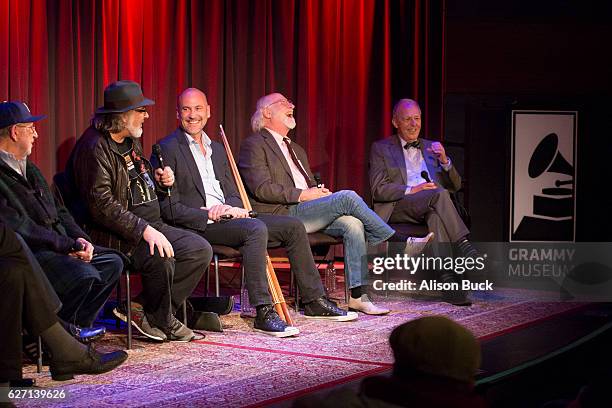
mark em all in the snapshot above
pixel 158 154
pixel 227 217
pixel 317 177
pixel 77 246
pixel 425 176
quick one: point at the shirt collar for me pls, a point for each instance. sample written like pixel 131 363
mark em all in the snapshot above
pixel 11 157
pixel 6 155
pixel 403 143
pixel 277 136
pixel 19 165
pixel 205 139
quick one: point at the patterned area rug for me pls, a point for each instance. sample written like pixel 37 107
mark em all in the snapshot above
pixel 240 367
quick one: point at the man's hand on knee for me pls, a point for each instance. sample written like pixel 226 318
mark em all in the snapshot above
pixel 423 186
pixel 313 193
pixel 87 251
pixel 216 211
pixel 237 212
pixel 156 239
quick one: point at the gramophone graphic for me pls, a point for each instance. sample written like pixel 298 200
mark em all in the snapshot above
pixel 553 209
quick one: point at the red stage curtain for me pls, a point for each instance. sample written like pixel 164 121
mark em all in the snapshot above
pixel 344 63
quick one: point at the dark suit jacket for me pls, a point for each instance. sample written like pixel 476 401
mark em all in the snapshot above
pixel 29 208
pixel 187 193
pixel 388 174
pixel 266 173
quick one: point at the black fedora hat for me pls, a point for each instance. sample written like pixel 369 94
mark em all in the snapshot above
pixel 122 96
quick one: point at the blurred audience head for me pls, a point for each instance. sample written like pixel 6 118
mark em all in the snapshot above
pixel 437 346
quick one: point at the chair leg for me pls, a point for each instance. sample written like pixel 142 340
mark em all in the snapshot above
pixel 245 305
pixel 346 286
pixel 39 361
pixel 128 296
pixel 291 288
pixel 117 320
pixel 206 280
pixel 297 299
pixel 185 313
pixel 216 257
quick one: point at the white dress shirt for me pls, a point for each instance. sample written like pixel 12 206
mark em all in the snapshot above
pixel 298 178
pixel 212 187
pixel 415 165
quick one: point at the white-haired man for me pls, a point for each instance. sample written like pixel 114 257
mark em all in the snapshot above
pixel 278 177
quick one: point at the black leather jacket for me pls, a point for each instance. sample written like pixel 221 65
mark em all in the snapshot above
pixel 98 173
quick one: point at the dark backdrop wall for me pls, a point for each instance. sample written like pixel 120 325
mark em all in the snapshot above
pixel 528 55
pixel 342 62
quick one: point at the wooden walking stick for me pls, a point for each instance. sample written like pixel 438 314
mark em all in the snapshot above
pixel 275 290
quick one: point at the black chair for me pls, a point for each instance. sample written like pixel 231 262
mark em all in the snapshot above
pixel 320 245
pixel 222 253
pixel 411 229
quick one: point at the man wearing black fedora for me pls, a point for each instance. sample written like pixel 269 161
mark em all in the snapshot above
pixel 118 186
pixel 82 275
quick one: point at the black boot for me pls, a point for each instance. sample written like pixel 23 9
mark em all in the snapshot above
pixel 457 297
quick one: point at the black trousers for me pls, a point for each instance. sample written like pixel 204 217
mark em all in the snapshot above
pixel 434 207
pixel 24 303
pixel 252 236
pixel 167 282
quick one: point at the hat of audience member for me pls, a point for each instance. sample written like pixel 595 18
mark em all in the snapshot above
pixel 122 96
pixel 14 112
pixel 436 345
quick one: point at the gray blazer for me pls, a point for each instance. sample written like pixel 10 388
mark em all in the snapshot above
pixel 388 174
pixel 266 173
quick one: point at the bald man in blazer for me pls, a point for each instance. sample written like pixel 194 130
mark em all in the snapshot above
pixel 205 191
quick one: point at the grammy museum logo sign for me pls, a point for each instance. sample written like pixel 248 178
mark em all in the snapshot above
pixel 543 184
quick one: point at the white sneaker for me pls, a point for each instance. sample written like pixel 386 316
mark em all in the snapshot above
pixel 365 305
pixel 415 246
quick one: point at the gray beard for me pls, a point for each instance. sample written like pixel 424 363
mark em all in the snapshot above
pixel 289 122
pixel 135 133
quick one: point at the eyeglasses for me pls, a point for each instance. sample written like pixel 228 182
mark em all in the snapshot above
pixel 285 102
pixel 141 110
pixel 31 128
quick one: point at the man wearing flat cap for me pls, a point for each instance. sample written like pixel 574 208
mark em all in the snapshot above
pixel 436 362
pixel 82 275
pixel 117 184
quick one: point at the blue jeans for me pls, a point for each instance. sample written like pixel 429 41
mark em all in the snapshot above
pixel 345 214
pixel 82 287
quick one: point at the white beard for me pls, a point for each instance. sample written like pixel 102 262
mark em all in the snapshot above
pixel 136 133
pixel 289 122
